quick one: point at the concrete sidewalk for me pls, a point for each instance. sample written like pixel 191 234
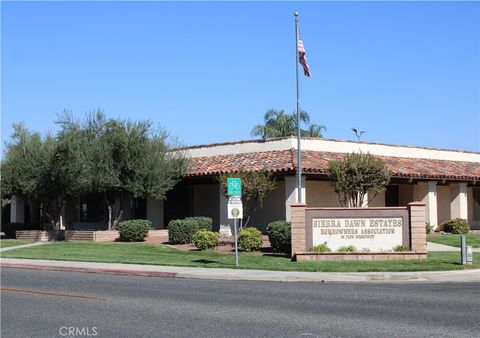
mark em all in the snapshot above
pixel 445 248
pixel 240 274
pixel 15 247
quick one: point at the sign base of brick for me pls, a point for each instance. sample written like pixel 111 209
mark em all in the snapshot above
pixel 360 256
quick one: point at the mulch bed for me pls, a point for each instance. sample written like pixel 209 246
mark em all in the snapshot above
pixel 225 244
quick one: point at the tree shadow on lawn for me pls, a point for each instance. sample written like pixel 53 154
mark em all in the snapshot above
pixel 204 261
pixel 279 255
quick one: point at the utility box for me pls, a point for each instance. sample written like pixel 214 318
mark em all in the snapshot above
pixel 469 255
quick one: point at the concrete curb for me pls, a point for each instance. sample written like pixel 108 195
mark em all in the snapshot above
pixel 91 270
pixel 472 275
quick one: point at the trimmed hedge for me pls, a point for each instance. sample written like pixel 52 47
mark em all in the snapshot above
pixel 457 226
pixel 135 230
pixel 250 239
pixel 181 231
pixel 203 222
pixel 205 239
pixel 280 236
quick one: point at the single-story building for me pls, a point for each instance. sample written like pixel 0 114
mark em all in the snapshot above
pixel 446 180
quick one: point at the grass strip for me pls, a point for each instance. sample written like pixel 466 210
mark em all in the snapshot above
pixel 454 240
pixel 152 254
pixel 12 242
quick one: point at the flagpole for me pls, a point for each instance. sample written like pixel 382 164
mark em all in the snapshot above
pixel 299 150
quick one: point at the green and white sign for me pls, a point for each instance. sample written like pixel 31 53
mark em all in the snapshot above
pixel 234 186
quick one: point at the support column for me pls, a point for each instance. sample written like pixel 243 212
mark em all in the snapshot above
pixel 17 210
pixel 426 192
pixel 458 201
pixel 418 235
pixel 299 231
pixel 291 194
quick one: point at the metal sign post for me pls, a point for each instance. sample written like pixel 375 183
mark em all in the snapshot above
pixel 235 207
pixel 463 250
pixel 236 240
pixel 235 212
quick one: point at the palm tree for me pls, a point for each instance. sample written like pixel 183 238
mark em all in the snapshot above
pixel 314 130
pixel 279 124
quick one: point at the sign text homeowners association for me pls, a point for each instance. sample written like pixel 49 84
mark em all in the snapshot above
pixel 374 234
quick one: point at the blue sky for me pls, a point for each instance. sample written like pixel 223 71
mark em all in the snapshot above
pixel 405 72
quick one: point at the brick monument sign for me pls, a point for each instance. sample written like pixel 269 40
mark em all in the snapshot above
pixel 376 233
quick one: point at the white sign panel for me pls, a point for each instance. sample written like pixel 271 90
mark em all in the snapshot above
pixel 235 199
pixel 235 210
pixel 374 234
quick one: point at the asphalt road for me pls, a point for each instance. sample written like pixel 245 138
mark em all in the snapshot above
pixel 48 303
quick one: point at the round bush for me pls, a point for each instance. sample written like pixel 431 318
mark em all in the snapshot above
pixel 205 239
pixel 457 226
pixel 181 231
pixel 134 230
pixel 280 236
pixel 250 239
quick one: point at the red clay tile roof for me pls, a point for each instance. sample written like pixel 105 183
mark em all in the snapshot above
pixel 316 162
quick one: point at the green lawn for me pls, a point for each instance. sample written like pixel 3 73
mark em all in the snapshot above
pixel 140 253
pixel 11 242
pixel 454 240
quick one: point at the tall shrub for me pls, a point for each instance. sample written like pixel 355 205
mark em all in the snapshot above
pixel 279 235
pixel 181 231
pixel 134 230
pixel 357 175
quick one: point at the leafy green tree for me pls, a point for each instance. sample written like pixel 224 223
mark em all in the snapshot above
pixel 112 157
pixel 279 124
pixel 118 158
pixel 26 170
pixel 357 176
pixel 256 185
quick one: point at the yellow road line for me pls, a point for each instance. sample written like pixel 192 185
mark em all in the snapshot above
pixel 47 293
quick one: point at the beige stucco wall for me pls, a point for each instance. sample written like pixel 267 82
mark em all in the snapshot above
pixel 443 203
pixel 321 194
pixel 378 201
pixel 273 208
pixel 206 202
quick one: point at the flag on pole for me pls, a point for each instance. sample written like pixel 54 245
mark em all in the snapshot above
pixel 302 58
